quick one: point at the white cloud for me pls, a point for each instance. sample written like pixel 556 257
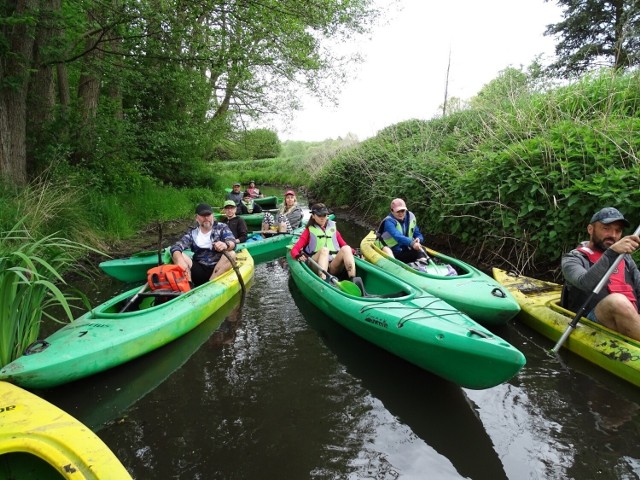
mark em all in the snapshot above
pixel 404 72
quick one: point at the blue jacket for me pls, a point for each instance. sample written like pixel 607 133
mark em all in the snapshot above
pixel 389 226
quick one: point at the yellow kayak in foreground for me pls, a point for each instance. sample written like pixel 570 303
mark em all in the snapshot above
pixel 39 441
pixel 539 300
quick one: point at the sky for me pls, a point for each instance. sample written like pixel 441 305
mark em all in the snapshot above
pixel 403 75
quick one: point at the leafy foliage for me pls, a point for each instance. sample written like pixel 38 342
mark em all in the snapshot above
pixel 30 272
pixel 596 33
pixel 517 178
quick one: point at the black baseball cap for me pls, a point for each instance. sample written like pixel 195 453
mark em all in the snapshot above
pixel 609 215
pixel 319 209
pixel 203 209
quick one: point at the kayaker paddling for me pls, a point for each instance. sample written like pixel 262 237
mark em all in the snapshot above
pixel 322 242
pixel 207 242
pixel 399 235
pixel 584 267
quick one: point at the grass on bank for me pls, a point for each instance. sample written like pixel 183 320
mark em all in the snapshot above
pixel 296 166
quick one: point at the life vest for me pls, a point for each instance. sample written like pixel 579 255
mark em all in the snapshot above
pixel 385 239
pixel 168 277
pixel 319 238
pixel 617 281
pixel 254 192
pixel 249 206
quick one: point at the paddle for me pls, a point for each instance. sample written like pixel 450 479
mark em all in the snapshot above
pixel 595 292
pixel 345 285
pixel 160 262
pixel 234 265
pixel 133 298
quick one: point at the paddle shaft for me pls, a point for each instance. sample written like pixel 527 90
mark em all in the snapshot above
pixel 234 265
pixel 603 281
pixel 160 262
pixel 133 299
pixel 332 278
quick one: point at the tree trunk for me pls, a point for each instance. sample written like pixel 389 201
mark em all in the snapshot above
pixel 14 71
pixel 88 96
pixel 41 99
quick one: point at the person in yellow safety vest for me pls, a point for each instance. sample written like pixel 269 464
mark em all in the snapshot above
pixel 399 235
pixel 322 242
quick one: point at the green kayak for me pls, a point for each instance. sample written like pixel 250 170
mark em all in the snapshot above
pixel 251 219
pixel 270 201
pixel 267 202
pixel 469 290
pixel 611 350
pixel 413 325
pixel 134 268
pixel 104 338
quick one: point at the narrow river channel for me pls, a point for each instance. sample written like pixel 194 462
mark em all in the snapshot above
pixel 274 389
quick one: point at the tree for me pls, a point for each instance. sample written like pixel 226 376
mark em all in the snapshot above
pixel 260 143
pixel 596 33
pixel 156 83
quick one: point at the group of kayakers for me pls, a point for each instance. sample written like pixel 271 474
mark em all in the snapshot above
pixel 615 307
pixel 213 243
pixel 399 236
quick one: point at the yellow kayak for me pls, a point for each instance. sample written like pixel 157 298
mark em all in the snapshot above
pixel 39 441
pixel 539 300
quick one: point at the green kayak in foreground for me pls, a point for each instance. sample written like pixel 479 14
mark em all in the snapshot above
pixel 470 290
pixel 103 338
pixel 596 343
pixel 413 325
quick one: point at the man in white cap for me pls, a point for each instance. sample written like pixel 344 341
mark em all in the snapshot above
pixel 616 306
pixel 399 235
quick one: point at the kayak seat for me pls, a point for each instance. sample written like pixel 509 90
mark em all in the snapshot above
pixel 358 281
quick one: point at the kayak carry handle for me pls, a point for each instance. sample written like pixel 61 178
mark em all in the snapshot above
pixel 497 292
pixel 36 347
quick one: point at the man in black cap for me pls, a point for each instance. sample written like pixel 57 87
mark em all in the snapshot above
pixel 235 194
pixel 616 306
pixel 208 240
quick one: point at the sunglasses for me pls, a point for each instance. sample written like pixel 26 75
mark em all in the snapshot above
pixel 402 210
pixel 320 214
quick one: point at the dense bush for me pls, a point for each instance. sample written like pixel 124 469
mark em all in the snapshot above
pixel 518 177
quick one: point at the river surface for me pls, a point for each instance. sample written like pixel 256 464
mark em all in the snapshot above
pixel 274 389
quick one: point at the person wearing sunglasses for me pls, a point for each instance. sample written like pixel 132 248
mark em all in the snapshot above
pixel 398 234
pixel 322 242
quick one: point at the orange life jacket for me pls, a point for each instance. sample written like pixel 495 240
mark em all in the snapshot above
pixel 168 277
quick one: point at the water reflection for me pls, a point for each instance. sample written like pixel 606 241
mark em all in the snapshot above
pixel 555 420
pixel 434 410
pixel 112 392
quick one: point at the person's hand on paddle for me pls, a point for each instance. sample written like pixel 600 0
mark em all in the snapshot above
pixel 220 246
pixel 302 258
pixel 628 244
pixel 416 244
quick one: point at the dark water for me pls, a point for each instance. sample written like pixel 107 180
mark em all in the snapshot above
pixel 275 389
